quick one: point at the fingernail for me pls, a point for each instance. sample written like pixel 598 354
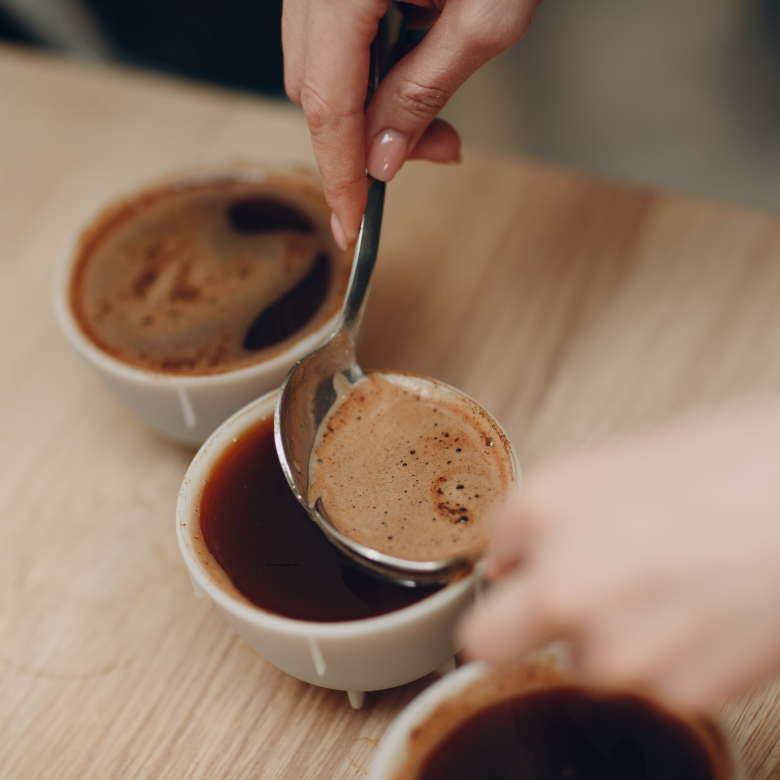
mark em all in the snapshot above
pixel 386 154
pixel 338 232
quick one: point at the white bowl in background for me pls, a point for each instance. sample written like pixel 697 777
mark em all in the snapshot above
pixel 471 688
pixel 183 408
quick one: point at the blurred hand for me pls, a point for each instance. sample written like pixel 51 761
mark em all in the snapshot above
pixel 658 556
pixel 326 59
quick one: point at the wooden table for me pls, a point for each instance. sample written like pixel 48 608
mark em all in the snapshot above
pixel 571 308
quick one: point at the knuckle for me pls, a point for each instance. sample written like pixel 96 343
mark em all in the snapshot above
pixel 321 113
pixel 339 189
pixel 315 107
pixel 420 101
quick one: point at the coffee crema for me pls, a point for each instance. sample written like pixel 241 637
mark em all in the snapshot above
pixel 271 551
pixel 409 467
pixel 562 731
pixel 208 275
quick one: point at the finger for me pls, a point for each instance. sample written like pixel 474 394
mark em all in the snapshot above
pixel 705 670
pixel 633 644
pixel 506 626
pixel 466 35
pixel 439 142
pixel 509 540
pixel 704 680
pixel 717 663
pixel 294 14
pixel 332 96
pixel 672 646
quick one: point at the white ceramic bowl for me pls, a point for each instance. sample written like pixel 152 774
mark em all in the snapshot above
pixel 184 408
pixel 360 655
pixel 555 659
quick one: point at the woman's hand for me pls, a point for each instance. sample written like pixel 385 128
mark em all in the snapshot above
pixel 658 556
pixel 326 58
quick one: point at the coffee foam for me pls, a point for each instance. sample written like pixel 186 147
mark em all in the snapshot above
pixel 163 280
pixel 410 468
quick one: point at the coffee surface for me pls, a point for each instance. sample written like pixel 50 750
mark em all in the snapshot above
pixel 410 468
pixel 271 550
pixel 569 733
pixel 208 276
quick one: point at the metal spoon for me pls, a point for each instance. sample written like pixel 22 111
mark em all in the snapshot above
pixel 307 394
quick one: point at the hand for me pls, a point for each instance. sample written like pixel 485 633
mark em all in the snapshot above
pixel 658 556
pixel 326 57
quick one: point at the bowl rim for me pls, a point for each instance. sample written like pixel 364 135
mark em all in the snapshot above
pixel 391 751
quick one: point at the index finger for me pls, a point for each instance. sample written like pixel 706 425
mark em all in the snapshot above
pixel 332 96
pixel 507 624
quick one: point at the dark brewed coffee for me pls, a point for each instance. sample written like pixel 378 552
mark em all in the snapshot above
pixel 568 733
pixel 209 275
pixel 273 552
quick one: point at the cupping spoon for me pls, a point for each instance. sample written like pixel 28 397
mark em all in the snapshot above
pixel 308 394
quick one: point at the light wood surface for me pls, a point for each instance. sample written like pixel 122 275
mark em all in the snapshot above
pixel 571 308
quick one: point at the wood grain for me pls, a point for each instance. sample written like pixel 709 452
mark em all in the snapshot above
pixel 571 308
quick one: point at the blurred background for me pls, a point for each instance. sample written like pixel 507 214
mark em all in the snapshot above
pixel 681 94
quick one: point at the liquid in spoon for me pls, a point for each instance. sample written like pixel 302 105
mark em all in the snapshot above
pixel 411 468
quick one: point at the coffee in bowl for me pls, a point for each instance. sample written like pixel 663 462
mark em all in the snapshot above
pixel 537 723
pixel 208 275
pixel 271 552
pixel 407 464
pixel 382 635
pixel 193 295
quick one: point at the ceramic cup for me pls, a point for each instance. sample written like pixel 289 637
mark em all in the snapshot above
pixel 183 408
pixel 353 656
pixel 434 713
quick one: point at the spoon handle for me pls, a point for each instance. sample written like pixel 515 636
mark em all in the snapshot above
pixel 365 260
pixel 383 52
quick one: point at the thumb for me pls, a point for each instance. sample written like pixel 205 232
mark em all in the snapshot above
pixel 466 35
